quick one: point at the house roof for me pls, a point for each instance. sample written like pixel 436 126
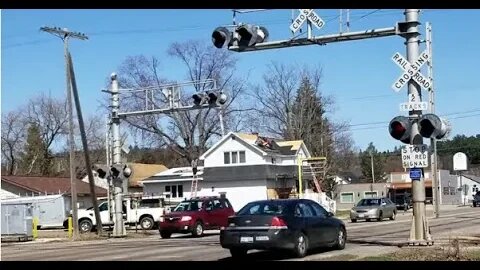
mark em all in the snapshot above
pixel 231 134
pixel 142 171
pixel 50 185
pixel 472 177
pixel 294 145
pixel 263 145
pixel 251 138
pixel 174 175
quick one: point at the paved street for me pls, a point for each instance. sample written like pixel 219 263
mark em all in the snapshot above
pixel 456 221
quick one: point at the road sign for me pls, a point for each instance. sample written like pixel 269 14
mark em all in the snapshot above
pixel 306 14
pixel 411 71
pixel 413 106
pixel 459 162
pixel 415 156
pixel 415 174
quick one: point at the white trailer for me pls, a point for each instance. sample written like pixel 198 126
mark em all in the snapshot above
pixel 51 210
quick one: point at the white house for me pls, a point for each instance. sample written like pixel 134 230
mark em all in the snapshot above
pixel 242 167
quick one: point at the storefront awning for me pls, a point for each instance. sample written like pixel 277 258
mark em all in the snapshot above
pixel 407 185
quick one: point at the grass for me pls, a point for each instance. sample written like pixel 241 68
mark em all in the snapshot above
pixel 342 213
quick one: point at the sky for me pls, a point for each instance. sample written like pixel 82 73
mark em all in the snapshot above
pixel 357 74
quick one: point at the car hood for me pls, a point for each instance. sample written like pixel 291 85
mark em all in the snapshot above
pixel 366 207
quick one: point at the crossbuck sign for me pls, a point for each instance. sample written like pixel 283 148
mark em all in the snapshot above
pixel 306 14
pixel 411 71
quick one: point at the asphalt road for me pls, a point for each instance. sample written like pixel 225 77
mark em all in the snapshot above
pixel 362 238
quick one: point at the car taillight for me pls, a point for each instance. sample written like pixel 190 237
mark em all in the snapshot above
pixel 278 223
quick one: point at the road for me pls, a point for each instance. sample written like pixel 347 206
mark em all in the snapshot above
pixel 464 221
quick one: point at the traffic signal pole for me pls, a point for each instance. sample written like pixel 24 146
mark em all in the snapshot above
pixel 119 227
pixel 420 232
pixel 409 130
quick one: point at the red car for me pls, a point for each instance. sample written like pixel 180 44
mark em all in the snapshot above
pixel 196 215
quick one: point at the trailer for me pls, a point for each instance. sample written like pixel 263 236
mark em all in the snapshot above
pixel 16 221
pixel 51 210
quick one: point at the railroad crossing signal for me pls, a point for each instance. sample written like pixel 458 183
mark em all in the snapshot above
pixel 411 71
pixel 306 14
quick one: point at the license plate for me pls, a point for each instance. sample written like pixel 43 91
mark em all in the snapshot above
pixel 262 238
pixel 246 239
pixel 361 215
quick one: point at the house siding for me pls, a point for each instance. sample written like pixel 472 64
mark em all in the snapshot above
pixel 358 191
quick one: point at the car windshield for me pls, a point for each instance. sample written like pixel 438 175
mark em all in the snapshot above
pixel 262 208
pixel 188 206
pixel 368 202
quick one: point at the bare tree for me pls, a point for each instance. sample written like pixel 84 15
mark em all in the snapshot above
pixel 48 114
pixel 13 137
pixel 290 105
pixel 187 132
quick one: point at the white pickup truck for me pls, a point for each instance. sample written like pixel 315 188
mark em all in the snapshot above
pixel 144 211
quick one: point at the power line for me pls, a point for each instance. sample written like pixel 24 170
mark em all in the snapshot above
pixel 372 125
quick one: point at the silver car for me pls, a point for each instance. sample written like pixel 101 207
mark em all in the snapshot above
pixel 373 208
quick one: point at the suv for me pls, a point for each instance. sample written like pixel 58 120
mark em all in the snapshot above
pixel 196 215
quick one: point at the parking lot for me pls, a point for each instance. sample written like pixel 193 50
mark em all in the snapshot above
pixel 364 239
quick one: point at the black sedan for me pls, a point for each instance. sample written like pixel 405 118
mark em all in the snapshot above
pixel 291 224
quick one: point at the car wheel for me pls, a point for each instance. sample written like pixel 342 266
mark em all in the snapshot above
pixel 341 239
pixel 197 229
pixel 393 215
pixel 85 226
pixel 380 216
pixel 354 220
pixel 147 223
pixel 238 252
pixel 165 234
pixel 301 245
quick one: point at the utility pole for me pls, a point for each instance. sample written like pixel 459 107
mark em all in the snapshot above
pixel 420 231
pixel 373 171
pixel 433 141
pixel 83 135
pixel 64 34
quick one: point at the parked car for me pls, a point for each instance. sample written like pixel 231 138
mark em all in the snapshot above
pixel 289 224
pixel 476 199
pixel 403 202
pixel 196 215
pixel 373 208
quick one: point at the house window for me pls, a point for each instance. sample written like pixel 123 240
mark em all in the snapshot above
pixel 452 191
pixel 346 197
pixel 242 156
pixel 176 191
pixel 180 191
pixel 233 157
pixel 226 158
pixel 274 160
pixel 446 191
pixel 370 194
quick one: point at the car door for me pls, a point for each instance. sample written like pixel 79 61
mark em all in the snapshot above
pixel 392 206
pixel 325 225
pixel 226 211
pixel 305 213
